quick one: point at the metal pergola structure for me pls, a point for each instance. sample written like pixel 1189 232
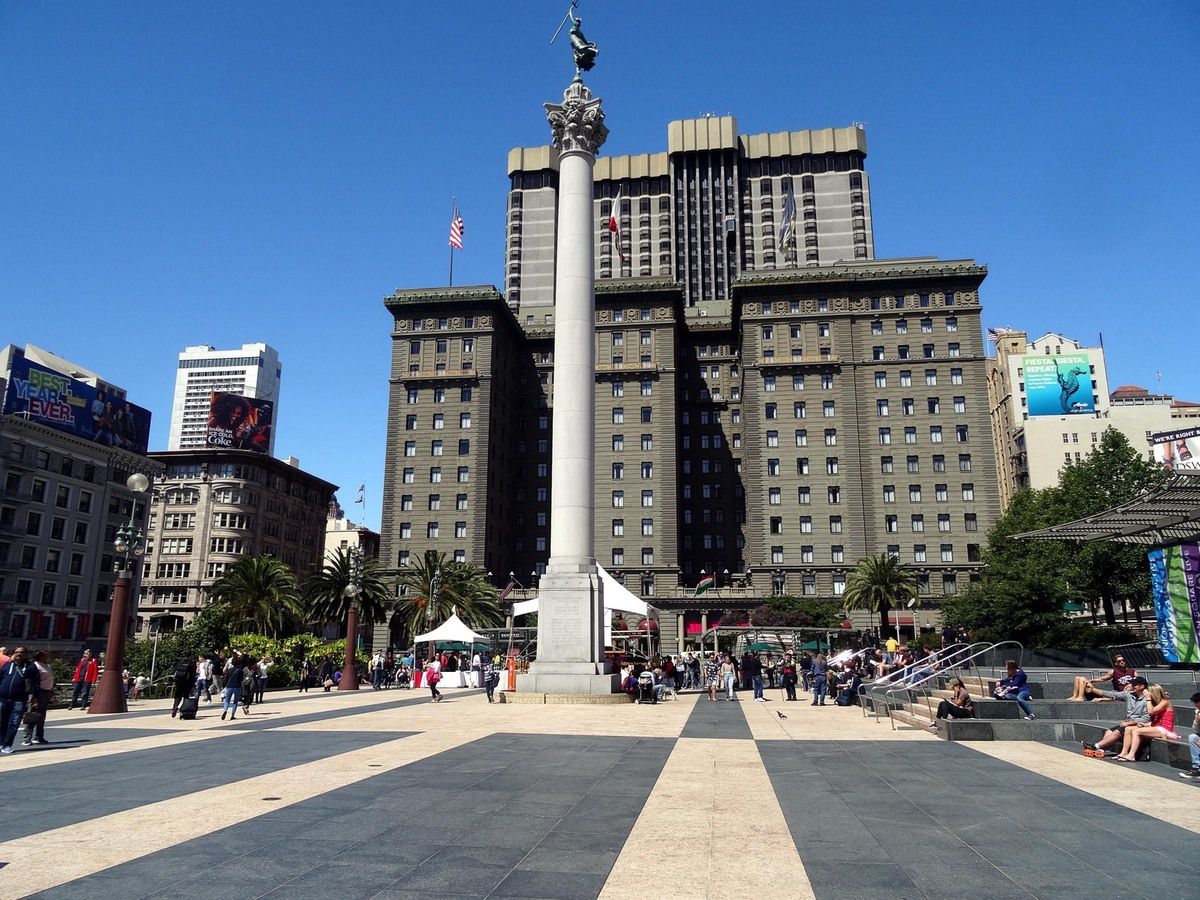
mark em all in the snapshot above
pixel 1161 517
pixel 785 637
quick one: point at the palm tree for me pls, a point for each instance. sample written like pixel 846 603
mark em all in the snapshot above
pixel 878 584
pixel 434 586
pixel 325 597
pixel 259 593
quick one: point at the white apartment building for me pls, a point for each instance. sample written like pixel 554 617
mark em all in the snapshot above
pixel 253 370
pixel 1050 405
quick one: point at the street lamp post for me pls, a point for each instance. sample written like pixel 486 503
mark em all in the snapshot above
pixel 110 693
pixel 352 589
pixel 435 586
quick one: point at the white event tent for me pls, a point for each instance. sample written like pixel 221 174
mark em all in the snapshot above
pixel 617 598
pixel 453 629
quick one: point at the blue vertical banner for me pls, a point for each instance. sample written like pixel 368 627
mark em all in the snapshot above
pixel 1175 581
pixel 1164 614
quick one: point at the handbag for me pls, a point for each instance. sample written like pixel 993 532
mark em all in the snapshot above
pixel 328 683
pixel 34 716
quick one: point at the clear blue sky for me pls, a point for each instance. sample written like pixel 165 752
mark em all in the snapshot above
pixel 182 173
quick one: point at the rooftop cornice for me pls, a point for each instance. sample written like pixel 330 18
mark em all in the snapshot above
pixel 444 294
pixel 646 285
pixel 863 273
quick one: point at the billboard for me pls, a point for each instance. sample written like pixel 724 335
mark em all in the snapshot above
pixel 1175 580
pixel 59 401
pixel 1058 385
pixel 1178 449
pixel 239 423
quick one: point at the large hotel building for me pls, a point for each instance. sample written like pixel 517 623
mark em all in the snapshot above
pixel 768 414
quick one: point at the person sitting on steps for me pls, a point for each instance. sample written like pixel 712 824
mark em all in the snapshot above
pixel 1194 742
pixel 1015 687
pixel 958 706
pixel 1162 724
pixel 1119 676
pixel 1137 714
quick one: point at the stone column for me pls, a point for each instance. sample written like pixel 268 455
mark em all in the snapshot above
pixel 570 653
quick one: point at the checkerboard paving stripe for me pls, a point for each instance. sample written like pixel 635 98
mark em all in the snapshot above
pixel 55 857
pixel 720 789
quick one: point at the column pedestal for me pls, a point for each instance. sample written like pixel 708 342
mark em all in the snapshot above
pixel 570 655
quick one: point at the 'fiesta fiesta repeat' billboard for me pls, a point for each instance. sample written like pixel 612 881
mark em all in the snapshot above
pixel 1058 385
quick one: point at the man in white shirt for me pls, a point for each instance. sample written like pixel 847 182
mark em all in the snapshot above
pixel 377 663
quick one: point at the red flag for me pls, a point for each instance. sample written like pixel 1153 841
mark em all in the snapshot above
pixel 614 224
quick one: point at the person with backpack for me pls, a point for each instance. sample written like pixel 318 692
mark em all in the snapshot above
pixel 249 681
pixel 183 682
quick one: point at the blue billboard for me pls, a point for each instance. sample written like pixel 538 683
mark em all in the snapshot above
pixel 1058 385
pixel 59 401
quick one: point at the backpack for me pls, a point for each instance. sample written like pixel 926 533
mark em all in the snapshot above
pixel 247 680
pixel 183 671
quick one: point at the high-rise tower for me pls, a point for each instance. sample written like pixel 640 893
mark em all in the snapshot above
pixel 704 212
pixel 252 371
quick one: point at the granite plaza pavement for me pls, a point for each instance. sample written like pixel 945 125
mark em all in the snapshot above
pixel 385 795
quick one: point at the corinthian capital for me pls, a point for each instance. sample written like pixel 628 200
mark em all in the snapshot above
pixel 577 124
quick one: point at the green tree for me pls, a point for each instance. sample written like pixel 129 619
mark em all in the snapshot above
pixel 257 593
pixel 1112 474
pixel 325 597
pixel 879 584
pixel 433 587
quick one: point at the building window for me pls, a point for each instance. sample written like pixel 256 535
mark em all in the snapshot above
pixel 968 492
pixel 940 493
pixel 618 499
pixel 943 522
pixel 774 496
pixel 801 437
pixel 618 415
pixel 914 493
pixel 618 527
pixel 918 523
pixel 889 493
pixel 835 524
pixel 935 434
pixel 647 498
pixel 837 553
pixel 919 553
pixel 962 433
pixel 885 436
pixel 885 465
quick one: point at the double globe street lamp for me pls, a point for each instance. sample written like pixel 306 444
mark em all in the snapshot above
pixel 352 590
pixel 110 693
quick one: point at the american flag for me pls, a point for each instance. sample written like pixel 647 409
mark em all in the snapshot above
pixel 456 230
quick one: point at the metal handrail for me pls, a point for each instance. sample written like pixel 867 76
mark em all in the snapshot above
pixel 942 671
pixel 898 676
pixel 886 684
pixel 889 678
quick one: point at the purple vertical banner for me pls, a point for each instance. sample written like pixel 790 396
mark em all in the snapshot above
pixel 1164 613
pixel 1191 579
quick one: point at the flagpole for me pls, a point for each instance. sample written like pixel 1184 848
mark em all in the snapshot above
pixel 453 211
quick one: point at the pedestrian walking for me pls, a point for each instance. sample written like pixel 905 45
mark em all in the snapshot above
pixel 305 675
pixel 433 674
pixel 39 705
pixel 183 682
pixel 87 673
pixel 260 678
pixel 18 682
pixel 490 678
pixel 234 673
pixel 204 673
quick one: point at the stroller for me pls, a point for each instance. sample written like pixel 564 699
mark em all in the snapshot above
pixel 645 689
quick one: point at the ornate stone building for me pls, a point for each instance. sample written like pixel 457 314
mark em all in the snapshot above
pixel 823 414
pixel 210 507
